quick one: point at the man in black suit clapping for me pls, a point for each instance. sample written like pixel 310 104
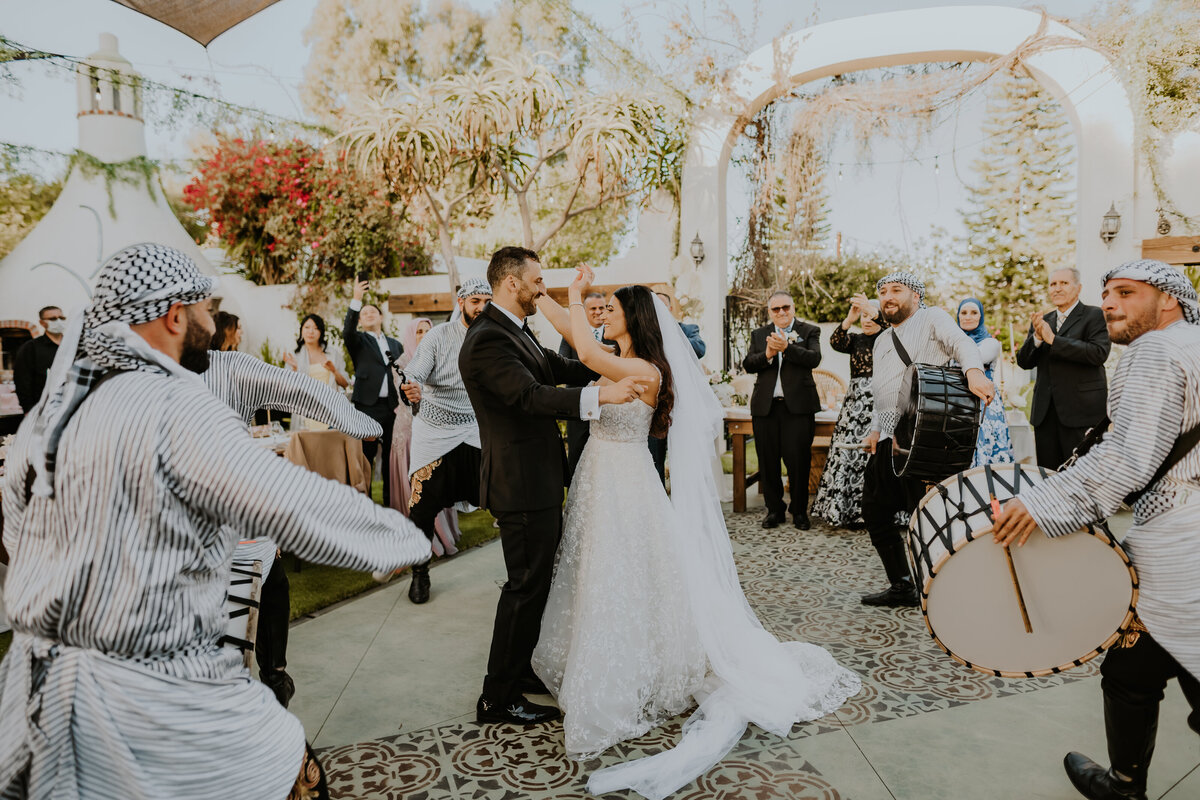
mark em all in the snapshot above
pixel 783 353
pixel 513 385
pixel 374 390
pixel 1068 346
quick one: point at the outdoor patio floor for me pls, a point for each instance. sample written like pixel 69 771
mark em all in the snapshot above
pixel 387 691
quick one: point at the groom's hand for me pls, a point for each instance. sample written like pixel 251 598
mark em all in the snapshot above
pixel 624 391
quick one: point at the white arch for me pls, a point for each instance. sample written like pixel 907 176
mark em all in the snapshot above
pixel 1080 78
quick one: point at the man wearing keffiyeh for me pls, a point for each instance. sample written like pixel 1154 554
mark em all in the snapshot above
pixel 125 493
pixel 1154 405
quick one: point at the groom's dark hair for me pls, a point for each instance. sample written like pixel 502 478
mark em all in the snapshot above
pixel 509 261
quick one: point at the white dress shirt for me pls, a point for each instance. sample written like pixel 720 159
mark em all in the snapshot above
pixel 381 342
pixel 779 364
pixel 589 398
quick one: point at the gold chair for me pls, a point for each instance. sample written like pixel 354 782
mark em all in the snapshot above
pixel 830 388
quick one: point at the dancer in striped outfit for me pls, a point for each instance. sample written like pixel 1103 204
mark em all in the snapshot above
pixel 1154 402
pixel 123 489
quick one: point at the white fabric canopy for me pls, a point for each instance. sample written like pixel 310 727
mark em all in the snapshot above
pixel 202 20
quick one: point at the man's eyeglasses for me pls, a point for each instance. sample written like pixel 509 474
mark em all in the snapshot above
pixel 777 309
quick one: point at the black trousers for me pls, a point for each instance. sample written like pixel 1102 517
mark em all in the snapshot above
pixel 884 494
pixel 787 436
pixel 658 452
pixel 1137 675
pixel 383 412
pixel 274 613
pixel 453 477
pixel 530 540
pixel 1054 441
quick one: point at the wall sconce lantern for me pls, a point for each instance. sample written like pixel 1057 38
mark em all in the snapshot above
pixel 697 250
pixel 1110 224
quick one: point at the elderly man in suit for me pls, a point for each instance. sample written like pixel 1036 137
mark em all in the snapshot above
pixel 1068 346
pixel 375 392
pixel 783 354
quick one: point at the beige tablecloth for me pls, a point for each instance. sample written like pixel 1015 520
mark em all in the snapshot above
pixel 333 455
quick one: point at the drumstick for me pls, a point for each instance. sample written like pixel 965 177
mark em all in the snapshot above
pixel 1012 570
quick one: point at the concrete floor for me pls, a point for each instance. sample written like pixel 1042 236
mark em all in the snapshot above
pixel 387 690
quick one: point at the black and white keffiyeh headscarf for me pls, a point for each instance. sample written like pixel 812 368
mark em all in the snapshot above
pixel 1165 278
pixel 474 286
pixel 138 284
pixel 906 279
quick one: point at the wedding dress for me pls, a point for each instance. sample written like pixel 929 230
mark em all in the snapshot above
pixel 646 606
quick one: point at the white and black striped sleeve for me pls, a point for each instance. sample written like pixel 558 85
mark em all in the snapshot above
pixel 209 459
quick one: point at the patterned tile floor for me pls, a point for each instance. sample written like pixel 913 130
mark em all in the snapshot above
pixel 804 585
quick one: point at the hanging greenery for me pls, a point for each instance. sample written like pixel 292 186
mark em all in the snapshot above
pixel 134 171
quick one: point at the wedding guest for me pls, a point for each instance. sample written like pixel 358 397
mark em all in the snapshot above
pixel 658 445
pixel 783 354
pixel 34 358
pixel 994 445
pixel 577 430
pixel 446 524
pixel 375 392
pixel 229 332
pixel 313 357
pixel 1068 347
pixel 839 496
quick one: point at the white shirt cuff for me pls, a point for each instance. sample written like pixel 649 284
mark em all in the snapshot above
pixel 356 305
pixel 589 403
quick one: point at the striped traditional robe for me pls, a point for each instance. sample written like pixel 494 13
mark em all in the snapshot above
pixel 116 685
pixel 446 418
pixel 1155 396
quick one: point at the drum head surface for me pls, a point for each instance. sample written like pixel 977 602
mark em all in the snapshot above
pixel 1077 589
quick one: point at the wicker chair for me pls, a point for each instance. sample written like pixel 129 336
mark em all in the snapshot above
pixel 830 388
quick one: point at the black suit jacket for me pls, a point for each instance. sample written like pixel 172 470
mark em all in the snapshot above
pixel 1070 372
pixel 370 368
pixel 513 386
pixel 799 388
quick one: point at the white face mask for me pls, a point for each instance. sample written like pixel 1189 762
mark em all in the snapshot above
pixel 56 326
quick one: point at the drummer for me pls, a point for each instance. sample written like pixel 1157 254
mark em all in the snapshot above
pixel 928 336
pixel 1154 403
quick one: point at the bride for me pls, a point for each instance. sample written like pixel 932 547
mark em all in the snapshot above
pixel 646 616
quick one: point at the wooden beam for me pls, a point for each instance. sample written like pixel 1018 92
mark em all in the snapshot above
pixel 1177 250
pixel 433 302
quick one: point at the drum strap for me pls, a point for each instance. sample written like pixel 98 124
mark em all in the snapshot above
pixel 900 351
pixel 1183 445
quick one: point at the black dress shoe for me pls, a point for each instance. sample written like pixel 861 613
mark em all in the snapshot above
pixel 901 594
pixel 802 521
pixel 532 685
pixel 772 520
pixel 280 683
pixel 418 590
pixel 518 712
pixel 1097 783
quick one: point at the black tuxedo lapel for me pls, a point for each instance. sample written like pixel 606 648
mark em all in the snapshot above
pixel 524 341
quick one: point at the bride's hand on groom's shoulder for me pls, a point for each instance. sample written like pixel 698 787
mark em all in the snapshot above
pixel 625 390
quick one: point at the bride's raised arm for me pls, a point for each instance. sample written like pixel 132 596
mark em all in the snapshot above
pixel 558 317
pixel 596 356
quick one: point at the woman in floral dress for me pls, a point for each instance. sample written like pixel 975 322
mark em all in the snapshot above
pixel 839 497
pixel 994 445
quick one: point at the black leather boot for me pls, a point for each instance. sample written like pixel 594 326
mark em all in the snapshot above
pixel 1097 783
pixel 1131 731
pixel 418 590
pixel 901 594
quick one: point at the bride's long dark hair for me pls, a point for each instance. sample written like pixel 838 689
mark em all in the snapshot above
pixel 641 320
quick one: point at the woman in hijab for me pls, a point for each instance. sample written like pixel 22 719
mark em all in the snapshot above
pixel 994 445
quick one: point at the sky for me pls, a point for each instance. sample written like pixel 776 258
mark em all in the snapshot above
pixel 888 205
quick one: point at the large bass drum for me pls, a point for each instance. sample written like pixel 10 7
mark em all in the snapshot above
pixel 939 423
pixel 1057 604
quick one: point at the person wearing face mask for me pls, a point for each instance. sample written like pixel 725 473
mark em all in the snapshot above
pixel 34 358
pixel 839 497
pixel 375 390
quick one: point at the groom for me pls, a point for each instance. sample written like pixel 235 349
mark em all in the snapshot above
pixel 512 382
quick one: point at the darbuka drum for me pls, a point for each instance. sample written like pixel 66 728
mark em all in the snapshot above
pixel 939 423
pixel 1079 590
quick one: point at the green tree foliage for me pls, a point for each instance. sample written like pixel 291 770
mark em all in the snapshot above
pixel 1020 208
pixel 24 200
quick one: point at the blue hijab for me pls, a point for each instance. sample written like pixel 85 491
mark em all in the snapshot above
pixel 981 332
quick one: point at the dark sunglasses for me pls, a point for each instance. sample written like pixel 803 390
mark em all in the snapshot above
pixel 774 309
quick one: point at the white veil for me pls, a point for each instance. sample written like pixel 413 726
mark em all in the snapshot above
pixel 753 677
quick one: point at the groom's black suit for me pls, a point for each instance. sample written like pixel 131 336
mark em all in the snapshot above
pixel 512 382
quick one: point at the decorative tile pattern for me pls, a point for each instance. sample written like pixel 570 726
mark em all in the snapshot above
pixel 805 585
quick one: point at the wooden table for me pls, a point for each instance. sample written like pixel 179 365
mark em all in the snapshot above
pixel 741 430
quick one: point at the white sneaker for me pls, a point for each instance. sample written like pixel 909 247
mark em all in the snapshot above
pixel 384 577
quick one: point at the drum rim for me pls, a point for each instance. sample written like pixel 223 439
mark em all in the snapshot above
pixel 1097 529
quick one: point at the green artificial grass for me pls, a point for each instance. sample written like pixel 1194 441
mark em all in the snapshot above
pixel 5 641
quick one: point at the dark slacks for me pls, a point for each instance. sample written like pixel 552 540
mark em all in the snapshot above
pixel 1136 676
pixel 274 614
pixel 884 494
pixel 530 540
pixel 383 412
pixel 658 452
pixel 787 436
pixel 453 477
pixel 1054 441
